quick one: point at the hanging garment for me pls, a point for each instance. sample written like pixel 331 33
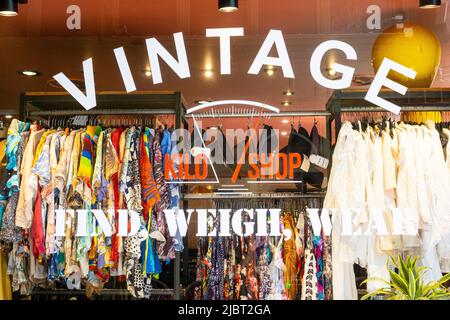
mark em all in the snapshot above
pixel 5 282
pixel 138 285
pixel 174 190
pixel 28 186
pixel 444 244
pixel 276 271
pixel 265 255
pixel 319 147
pixel 49 192
pixel 343 183
pixel 165 247
pixel 216 279
pixel 290 258
pixel 318 256
pixel 309 284
pixel 115 139
pixel 376 258
pixel 10 192
pixel 41 169
pixel 150 192
pixel 327 268
pixel 130 177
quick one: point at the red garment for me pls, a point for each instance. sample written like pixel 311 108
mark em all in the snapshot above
pixel 115 139
pixel 37 227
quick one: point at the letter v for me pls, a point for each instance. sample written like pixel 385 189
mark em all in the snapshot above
pixel 88 101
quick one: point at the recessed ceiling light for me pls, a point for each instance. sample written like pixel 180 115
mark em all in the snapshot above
pixel 202 101
pixel 286 103
pixel 288 93
pixel 285 121
pixel 148 73
pixel 9 8
pixel 29 73
pixel 284 133
pixel 208 73
pixel 330 71
pixel 430 4
pixel 8 116
pixel 270 71
pixel 228 5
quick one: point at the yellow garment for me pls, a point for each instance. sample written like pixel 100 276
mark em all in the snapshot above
pixel 291 258
pixel 28 183
pixel 2 151
pixel 76 151
pixel 41 145
pixel 421 117
pixel 86 166
pixel 111 159
pixel 5 282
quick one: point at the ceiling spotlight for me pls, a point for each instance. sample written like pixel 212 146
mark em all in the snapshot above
pixel 8 116
pixel 228 5
pixel 285 121
pixel 430 4
pixel 29 73
pixel 330 71
pixel 148 73
pixel 9 8
pixel 202 101
pixel 288 93
pixel 208 73
pixel 284 133
pixel 270 71
pixel 286 103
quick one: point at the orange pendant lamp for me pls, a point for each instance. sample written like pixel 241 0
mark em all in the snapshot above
pixel 413 46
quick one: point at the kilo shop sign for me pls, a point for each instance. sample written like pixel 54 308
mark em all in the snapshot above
pixel 180 65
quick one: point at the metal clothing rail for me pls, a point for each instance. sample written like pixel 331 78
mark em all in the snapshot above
pixel 47 104
pixel 8 112
pixel 39 104
pixel 105 292
pixel 101 112
pixel 352 100
pixel 249 114
pixel 266 195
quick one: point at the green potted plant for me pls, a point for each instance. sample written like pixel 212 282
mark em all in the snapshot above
pixel 406 283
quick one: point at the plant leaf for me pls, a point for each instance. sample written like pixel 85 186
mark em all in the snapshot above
pixel 412 285
pixel 398 282
pixel 444 279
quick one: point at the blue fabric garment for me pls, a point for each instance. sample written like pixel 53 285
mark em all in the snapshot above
pixel 56 266
pixel 2 209
pixel 174 193
pixel 12 144
pixel 153 265
pixel 166 145
pixel 317 242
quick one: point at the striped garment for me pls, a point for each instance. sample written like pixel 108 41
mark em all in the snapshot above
pixel 86 160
